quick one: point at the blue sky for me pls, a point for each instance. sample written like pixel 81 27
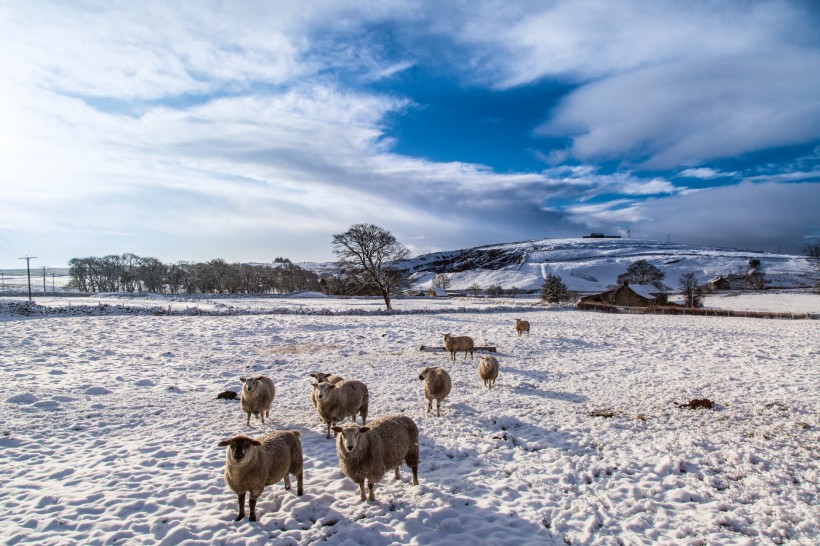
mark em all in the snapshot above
pixel 248 130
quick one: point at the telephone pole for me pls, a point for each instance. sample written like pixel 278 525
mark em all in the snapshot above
pixel 28 271
pixel 44 280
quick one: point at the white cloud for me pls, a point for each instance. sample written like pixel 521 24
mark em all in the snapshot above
pixel 705 173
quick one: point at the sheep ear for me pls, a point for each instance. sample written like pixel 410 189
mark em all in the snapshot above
pixel 336 429
pixel 313 375
pixel 243 379
pixel 315 384
pixel 255 442
pixel 225 443
pixel 364 429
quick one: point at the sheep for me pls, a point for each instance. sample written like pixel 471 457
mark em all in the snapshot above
pixel 455 344
pixel 321 377
pixel 367 453
pixel 437 386
pixel 251 464
pixel 257 395
pixel 522 326
pixel 335 402
pixel 488 370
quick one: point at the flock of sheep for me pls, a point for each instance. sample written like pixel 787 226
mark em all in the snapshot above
pixel 366 453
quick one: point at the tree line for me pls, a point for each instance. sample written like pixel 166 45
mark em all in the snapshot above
pixel 131 273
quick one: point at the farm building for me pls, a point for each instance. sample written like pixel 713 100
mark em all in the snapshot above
pixel 436 292
pixel 720 283
pixel 628 295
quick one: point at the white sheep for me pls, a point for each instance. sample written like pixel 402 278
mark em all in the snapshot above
pixel 437 385
pixel 367 453
pixel 251 464
pixel 455 344
pixel 344 399
pixel 522 326
pixel 257 396
pixel 488 370
pixel 322 377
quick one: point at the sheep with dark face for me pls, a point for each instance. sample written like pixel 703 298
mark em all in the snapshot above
pixel 367 453
pixel 251 464
pixel 257 396
pixel 322 377
pixel 488 370
pixel 455 344
pixel 437 386
pixel 344 399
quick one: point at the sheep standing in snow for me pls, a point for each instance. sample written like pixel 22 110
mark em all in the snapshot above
pixel 437 386
pixel 251 464
pixel 455 344
pixel 367 453
pixel 522 326
pixel 488 370
pixel 322 377
pixel 257 396
pixel 344 399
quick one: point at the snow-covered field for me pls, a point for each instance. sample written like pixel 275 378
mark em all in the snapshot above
pixel 110 425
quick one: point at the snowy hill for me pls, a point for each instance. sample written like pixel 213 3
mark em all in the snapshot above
pixel 590 265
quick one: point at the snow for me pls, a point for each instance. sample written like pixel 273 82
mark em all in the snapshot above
pixel 110 425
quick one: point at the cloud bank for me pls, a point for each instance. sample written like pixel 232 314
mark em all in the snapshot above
pixel 247 131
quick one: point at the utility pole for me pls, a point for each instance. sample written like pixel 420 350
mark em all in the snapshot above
pixel 44 280
pixel 28 271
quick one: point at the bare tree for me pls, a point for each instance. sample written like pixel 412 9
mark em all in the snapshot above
pixel 372 254
pixel 442 280
pixel 474 288
pixel 691 290
pixel 642 272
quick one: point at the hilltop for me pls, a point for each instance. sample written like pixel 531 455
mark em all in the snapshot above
pixel 590 265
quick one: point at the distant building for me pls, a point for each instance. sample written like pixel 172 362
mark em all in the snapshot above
pixel 628 295
pixel 436 292
pixel 720 283
pixel 600 236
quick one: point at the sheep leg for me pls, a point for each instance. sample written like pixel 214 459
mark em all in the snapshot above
pixel 415 470
pixel 252 504
pixel 248 422
pixel 241 498
pixel 261 416
pixel 398 477
pixel 438 408
pixel 299 484
pixel 361 490
pixel 429 405
pixel 287 481
pixel 327 436
pixel 370 486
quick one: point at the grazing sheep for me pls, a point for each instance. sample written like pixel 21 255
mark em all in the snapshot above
pixel 522 326
pixel 257 395
pixel 251 464
pixel 488 370
pixel 367 453
pixel 437 386
pixel 322 377
pixel 335 402
pixel 455 344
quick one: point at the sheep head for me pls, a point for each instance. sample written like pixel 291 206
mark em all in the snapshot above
pixel 250 382
pixel 322 389
pixel 238 446
pixel 350 435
